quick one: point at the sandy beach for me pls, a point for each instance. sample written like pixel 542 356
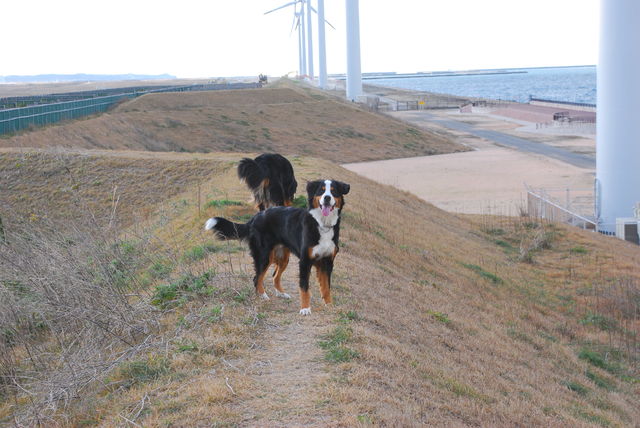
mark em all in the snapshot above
pixel 491 178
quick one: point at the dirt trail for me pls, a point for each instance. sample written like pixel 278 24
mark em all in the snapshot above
pixel 286 368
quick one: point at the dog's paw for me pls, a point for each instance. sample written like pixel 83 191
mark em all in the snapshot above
pixel 283 295
pixel 264 296
pixel 305 311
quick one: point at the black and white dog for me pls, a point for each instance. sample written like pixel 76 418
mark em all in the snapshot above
pixel 311 234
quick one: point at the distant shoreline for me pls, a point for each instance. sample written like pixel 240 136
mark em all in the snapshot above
pixel 408 76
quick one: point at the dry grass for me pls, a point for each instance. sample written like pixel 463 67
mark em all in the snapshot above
pixel 285 119
pixel 437 321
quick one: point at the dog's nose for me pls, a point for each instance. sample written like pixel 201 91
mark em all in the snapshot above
pixel 327 199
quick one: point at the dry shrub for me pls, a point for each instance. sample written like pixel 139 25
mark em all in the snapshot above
pixel 71 310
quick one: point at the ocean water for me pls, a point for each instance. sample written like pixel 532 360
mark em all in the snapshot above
pixel 573 84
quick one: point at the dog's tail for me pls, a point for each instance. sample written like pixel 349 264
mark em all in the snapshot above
pixel 251 173
pixel 226 229
pixel 257 179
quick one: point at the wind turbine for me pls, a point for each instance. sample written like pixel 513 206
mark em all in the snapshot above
pixel 305 38
pixel 298 24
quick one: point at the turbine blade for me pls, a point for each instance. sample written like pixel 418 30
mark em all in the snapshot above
pixel 328 23
pixel 281 7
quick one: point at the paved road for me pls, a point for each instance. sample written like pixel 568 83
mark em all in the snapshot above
pixel 503 139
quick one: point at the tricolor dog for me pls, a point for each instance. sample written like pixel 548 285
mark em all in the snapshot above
pixel 311 234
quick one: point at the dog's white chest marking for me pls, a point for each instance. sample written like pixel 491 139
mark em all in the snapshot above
pixel 326 246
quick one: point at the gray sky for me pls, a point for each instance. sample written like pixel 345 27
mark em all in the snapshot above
pixel 198 38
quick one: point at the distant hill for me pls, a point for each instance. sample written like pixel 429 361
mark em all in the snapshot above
pixel 81 77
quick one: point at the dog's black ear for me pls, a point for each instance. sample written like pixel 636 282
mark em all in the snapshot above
pixel 313 186
pixel 343 188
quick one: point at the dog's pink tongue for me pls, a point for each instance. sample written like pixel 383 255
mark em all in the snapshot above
pixel 326 210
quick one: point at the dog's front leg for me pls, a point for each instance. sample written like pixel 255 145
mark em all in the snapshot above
pixel 305 295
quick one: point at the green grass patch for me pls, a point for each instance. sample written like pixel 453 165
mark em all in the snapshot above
pixel 504 245
pixel 600 381
pixel 335 347
pixel 183 289
pixel 138 372
pixel 219 203
pixel 300 201
pixel 599 360
pixel 578 250
pixel 483 273
pixel 576 387
pixel 600 321
pixel 591 417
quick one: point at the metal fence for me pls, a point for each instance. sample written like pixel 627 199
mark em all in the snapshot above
pixel 541 205
pixel 18 119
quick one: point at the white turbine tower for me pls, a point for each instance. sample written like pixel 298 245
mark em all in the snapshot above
pixel 322 50
pixel 309 38
pixel 354 71
pixel 618 131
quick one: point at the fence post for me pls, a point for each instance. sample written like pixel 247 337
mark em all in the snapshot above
pixel 3 238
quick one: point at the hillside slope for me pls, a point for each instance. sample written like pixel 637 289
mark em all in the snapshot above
pixel 285 119
pixel 439 320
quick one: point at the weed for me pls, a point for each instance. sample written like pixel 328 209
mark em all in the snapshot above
pixel 346 317
pixel 195 254
pixel 242 296
pixel 440 317
pixel 365 418
pixel 188 347
pixel 160 269
pixel 414 132
pixel 483 273
pixel 215 314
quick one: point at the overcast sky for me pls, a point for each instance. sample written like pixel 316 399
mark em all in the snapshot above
pixel 210 38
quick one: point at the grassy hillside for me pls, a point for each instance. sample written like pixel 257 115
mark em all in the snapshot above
pixel 285 119
pixel 439 319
